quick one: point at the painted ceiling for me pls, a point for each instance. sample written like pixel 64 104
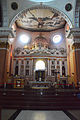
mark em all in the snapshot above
pixel 40 19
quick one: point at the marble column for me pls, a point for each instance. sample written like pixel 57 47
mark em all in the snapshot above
pixel 55 64
pixel 60 67
pixel 30 63
pixel 24 67
pixel 66 68
pixel 50 67
pixel 48 62
pixel 31 66
pixel 14 65
pixel 19 66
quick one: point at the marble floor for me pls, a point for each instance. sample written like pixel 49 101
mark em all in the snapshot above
pixel 42 115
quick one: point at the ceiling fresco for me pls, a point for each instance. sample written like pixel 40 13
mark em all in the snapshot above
pixel 40 20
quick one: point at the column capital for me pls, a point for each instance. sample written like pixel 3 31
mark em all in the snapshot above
pixel 4 45
pixel 49 59
pixel 75 35
pixel 76 46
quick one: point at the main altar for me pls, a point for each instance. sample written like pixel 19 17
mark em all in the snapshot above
pixel 40 84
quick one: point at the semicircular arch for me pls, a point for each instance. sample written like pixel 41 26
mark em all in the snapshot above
pixel 66 18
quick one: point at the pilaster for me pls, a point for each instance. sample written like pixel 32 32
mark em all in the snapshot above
pixel 31 66
pixel 19 67
pixel 48 67
pixel 14 65
pixel 5 34
pixel 60 68
pixel 66 67
pixel 75 33
pixel 24 67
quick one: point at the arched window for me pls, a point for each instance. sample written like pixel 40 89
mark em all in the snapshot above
pixel 16 62
pixel 16 70
pixel 22 61
pixel 40 65
pixel 63 70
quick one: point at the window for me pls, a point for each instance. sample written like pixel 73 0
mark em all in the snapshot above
pixel 57 62
pixel 40 65
pixel 27 66
pixel 62 62
pixel 27 62
pixel 27 72
pixel 52 62
pixel 57 39
pixel 22 70
pixel 52 67
pixel 16 62
pixel 63 71
pixel 52 72
pixel 14 5
pixel 22 62
pixel 16 70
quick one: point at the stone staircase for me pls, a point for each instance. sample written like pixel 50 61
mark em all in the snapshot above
pixel 32 99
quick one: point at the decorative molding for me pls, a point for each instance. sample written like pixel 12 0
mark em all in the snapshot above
pixel 40 52
pixel 76 40
pixel 6 32
pixel 75 32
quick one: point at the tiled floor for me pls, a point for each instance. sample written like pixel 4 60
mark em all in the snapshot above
pixel 42 115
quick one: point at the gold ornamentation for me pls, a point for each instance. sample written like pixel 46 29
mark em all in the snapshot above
pixel 4 45
pixel 76 46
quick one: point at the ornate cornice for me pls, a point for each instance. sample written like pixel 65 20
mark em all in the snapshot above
pixel 40 52
pixel 6 32
pixel 75 32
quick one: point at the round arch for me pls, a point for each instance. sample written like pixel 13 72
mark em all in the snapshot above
pixel 40 65
pixel 42 7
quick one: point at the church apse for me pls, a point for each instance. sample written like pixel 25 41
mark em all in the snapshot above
pixel 26 63
pixel 41 47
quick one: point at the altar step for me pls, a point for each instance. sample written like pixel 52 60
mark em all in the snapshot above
pixel 40 99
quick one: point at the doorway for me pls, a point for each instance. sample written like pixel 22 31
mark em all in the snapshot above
pixel 40 75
